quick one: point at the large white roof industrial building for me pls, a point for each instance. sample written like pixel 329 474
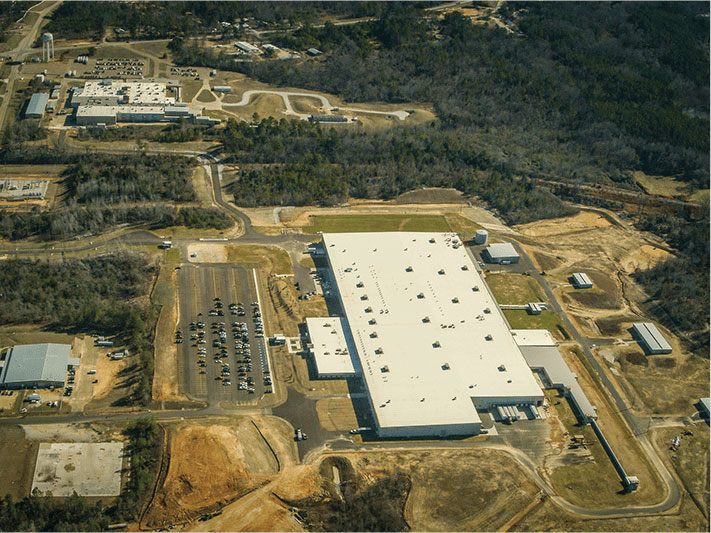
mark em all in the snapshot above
pixel 431 344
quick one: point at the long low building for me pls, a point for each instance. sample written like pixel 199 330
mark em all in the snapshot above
pixel 541 352
pixel 34 366
pixel 430 342
pixel 501 253
pixel 37 105
pixel 651 340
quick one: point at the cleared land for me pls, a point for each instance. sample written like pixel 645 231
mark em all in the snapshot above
pixel 519 319
pixel 210 465
pixel 365 223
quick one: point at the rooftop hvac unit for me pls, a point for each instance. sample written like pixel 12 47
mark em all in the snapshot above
pixel 436 344
pixel 364 297
pixel 372 322
pixel 379 351
pixel 368 309
pixel 441 272
pixel 426 319
pixel 360 285
pixel 487 311
pixel 475 288
pixel 502 368
pixel 374 335
pixel 385 369
pixel 408 269
pixel 445 366
pixel 489 337
pixel 432 240
pixel 421 295
pixel 465 267
pixel 455 300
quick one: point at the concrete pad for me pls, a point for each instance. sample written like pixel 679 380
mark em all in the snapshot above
pixel 90 469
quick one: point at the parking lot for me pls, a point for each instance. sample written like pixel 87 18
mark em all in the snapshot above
pixel 222 344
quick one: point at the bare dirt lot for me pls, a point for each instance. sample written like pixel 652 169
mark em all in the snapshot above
pixel 210 465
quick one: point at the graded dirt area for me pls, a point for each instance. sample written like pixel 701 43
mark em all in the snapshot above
pixel 210 465
pixel 207 253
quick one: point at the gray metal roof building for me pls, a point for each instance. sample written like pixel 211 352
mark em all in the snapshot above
pixel 705 406
pixel 547 359
pixel 35 365
pixel 35 109
pixel 582 281
pixel 503 252
pixel 328 118
pixel 651 340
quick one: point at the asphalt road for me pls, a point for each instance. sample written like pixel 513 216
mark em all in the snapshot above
pixel 198 285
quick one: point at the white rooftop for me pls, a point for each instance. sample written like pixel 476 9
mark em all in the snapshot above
pixel 533 337
pixel 138 92
pixel 329 346
pixel 430 339
pixel 501 249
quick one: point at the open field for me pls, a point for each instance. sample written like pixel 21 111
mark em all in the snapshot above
pixel 273 260
pixel 520 319
pixel 668 384
pixel 16 468
pixel 691 460
pixel 364 223
pixel 513 289
pixel 337 414
pixel 662 185
pixel 549 517
pixel 190 90
pixel 205 96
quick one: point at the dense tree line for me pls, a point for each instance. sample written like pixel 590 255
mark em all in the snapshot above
pixel 43 512
pixel 180 132
pixel 681 284
pixel 336 165
pixel 155 20
pixel 557 102
pixel 9 13
pixel 133 178
pixel 71 222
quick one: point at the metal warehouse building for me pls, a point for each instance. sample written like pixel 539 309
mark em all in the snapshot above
pixel 430 343
pixel 34 366
pixel 651 340
pixel 581 281
pixel 36 107
pixel 502 253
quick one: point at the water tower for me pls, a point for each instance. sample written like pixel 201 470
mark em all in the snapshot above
pixel 47 47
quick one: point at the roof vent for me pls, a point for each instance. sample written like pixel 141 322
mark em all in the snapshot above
pixel 426 320
pixel 385 369
pixel 489 337
pixel 445 366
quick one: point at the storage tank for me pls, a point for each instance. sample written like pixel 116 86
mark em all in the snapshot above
pixel 481 236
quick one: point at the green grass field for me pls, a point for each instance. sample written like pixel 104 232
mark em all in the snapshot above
pixel 520 319
pixel 375 223
pixel 513 289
